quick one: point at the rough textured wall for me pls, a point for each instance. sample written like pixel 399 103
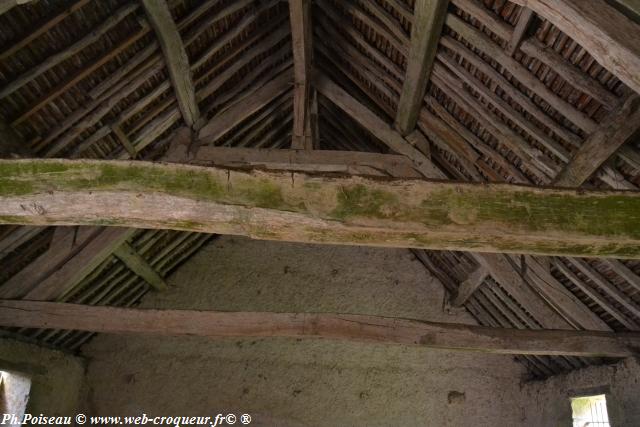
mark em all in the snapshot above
pixel 289 382
pixel 546 403
pixel 56 377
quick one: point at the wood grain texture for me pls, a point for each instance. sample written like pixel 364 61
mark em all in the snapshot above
pixel 175 57
pixel 236 113
pixel 374 124
pixel 309 161
pixel 602 144
pixel 470 285
pixel 607 34
pixel 134 261
pixel 350 327
pixel 293 206
pixel 301 36
pixel 428 19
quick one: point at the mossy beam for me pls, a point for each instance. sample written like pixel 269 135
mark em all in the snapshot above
pixel 322 209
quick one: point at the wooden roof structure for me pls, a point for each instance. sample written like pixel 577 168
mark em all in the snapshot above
pixel 409 96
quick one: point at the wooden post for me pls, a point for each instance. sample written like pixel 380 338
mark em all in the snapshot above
pixel 301 35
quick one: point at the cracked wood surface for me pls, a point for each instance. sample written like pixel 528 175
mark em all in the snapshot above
pixel 299 207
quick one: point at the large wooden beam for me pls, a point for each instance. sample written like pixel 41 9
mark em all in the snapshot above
pixel 350 327
pixel 175 57
pixel 428 18
pixel 301 36
pixel 374 124
pixel 311 161
pixel 607 34
pixel 602 144
pixel 324 209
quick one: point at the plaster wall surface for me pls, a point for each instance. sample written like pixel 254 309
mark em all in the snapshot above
pixel 292 382
pixel 546 403
pixel 56 378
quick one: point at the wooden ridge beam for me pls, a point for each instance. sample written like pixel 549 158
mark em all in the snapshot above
pixel 350 327
pixel 608 35
pixel 374 124
pixel 175 57
pixel 348 210
pixel 620 125
pixel 426 28
pixel 301 35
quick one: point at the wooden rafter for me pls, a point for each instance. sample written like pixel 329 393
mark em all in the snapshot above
pixel 376 126
pixel 427 25
pixel 278 206
pixel 301 35
pixel 602 144
pixel 175 57
pixel 608 35
pixel 351 327
pixel 51 276
pixel 68 52
pixel 235 114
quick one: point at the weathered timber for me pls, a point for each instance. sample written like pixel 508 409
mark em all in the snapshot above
pixel 232 116
pixel 132 259
pixel 602 144
pixel 64 54
pixel 503 272
pixel 325 209
pixel 559 297
pixel 66 243
pixel 175 57
pixel 350 327
pixel 608 35
pixel 80 265
pixel 469 286
pixel 427 25
pixel 315 161
pixel 526 16
pixel 376 126
pixel 301 35
pixel 484 43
